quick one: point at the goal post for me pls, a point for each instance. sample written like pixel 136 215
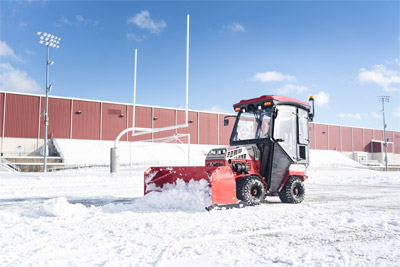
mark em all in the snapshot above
pixel 114 155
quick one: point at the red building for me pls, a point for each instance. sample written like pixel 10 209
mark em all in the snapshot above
pixel 22 125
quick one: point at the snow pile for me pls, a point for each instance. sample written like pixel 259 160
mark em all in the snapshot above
pixel 59 207
pixel 330 158
pixel 187 197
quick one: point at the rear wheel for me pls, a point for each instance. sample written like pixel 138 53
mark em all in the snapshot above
pixel 251 190
pixel 293 191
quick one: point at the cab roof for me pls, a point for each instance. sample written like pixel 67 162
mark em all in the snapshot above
pixel 273 98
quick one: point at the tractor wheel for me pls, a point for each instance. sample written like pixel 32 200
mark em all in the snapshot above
pixel 251 190
pixel 293 191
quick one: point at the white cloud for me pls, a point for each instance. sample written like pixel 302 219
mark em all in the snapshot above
pixel 84 21
pixel 388 79
pixel 218 109
pixel 235 27
pixel 397 112
pixel 6 51
pixel 292 88
pixel 22 25
pixel 271 76
pixel 144 21
pixel 16 80
pixel 375 115
pixel 135 37
pixel 62 21
pixel 394 62
pixel 321 99
pixel 356 116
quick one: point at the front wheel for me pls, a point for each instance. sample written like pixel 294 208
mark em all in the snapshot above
pixel 293 191
pixel 251 190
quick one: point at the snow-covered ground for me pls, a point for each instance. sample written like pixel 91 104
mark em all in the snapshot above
pixel 350 217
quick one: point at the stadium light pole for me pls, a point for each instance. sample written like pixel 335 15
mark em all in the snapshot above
pixel 49 40
pixel 384 99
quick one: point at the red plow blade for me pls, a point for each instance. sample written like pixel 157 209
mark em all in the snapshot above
pixel 221 180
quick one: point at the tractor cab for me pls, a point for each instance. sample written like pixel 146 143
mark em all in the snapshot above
pixel 278 128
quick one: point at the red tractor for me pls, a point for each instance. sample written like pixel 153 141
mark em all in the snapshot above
pixel 267 156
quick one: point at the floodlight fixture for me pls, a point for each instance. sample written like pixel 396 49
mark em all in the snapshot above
pixel 49 40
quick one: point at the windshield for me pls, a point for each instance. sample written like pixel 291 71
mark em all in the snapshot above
pixel 253 124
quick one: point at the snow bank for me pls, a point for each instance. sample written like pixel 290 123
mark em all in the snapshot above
pixel 186 197
pixel 59 207
pixel 89 152
pixel 330 158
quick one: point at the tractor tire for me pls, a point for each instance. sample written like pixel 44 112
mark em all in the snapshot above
pixel 293 191
pixel 251 190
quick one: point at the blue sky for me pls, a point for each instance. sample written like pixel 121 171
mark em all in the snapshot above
pixel 344 53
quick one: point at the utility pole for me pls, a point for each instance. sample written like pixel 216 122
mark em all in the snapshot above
pixel 384 99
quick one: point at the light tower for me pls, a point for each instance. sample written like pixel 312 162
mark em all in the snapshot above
pixel 48 40
pixel 384 99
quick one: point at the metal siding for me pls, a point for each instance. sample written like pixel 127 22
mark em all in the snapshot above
pixel 311 128
pixel 390 148
pixel 21 116
pixel 208 129
pixel 321 132
pixel 112 122
pixel 367 140
pixel 87 124
pixel 142 119
pixel 21 120
pixel 358 139
pixel 389 135
pixel 192 129
pixel 346 139
pixel 59 117
pixel 165 118
pixel 378 135
pixel 397 142
pixel 1 112
pixel 334 137
pixel 225 131
pixel 42 103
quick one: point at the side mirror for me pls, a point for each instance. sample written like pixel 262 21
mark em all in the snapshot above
pixel 275 113
pixel 226 120
pixel 311 115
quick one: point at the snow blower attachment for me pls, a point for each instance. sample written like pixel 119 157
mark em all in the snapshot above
pixel 267 156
